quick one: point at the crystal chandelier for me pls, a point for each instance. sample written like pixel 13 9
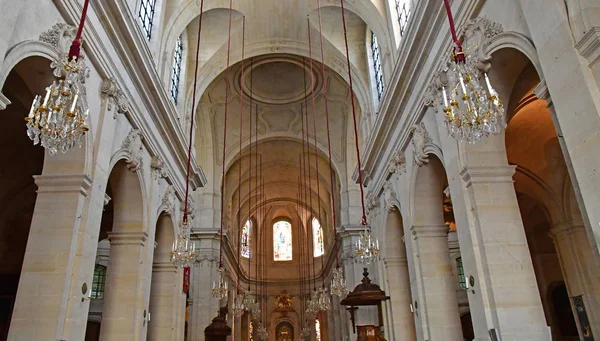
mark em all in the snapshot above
pixel 313 306
pixel 238 305
pixel 262 333
pixel 367 250
pixel 473 111
pixel 338 283
pixel 183 252
pixel 324 301
pixel 219 288
pixel 58 122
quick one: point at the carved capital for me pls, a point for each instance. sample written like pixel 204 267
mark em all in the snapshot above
pixel 397 164
pixel 420 140
pixel 478 33
pixel 159 169
pixel 372 208
pixel 541 91
pixel 117 101
pixel 432 96
pixel 391 198
pixel 168 201
pixel 133 146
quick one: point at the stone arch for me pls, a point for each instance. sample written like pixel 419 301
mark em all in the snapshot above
pixel 31 52
pixel 396 261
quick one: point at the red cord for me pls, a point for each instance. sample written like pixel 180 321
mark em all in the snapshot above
pixel 189 160
pixel 224 140
pixel 312 86
pixel 360 180
pixel 240 167
pixel 75 49
pixel 324 71
pixel 451 20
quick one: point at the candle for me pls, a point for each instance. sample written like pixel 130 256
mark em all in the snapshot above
pixel 74 103
pixel 462 85
pixel 445 96
pixel 48 92
pixel 487 82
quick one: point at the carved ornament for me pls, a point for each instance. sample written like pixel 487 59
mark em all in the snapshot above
pixel 390 196
pixel 158 167
pixel 117 101
pixel 478 34
pixel 420 140
pixel 133 146
pixel 397 164
pixel 168 201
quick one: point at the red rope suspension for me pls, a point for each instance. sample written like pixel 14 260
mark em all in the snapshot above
pixel 360 179
pixel 224 140
pixel 325 98
pixel 239 215
pixel 459 55
pixel 189 159
pixel 75 49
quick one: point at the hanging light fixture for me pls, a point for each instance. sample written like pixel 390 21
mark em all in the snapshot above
pixel 338 283
pixel 324 299
pixel 262 332
pixel 58 121
pixel 472 110
pixel 367 249
pixel 219 288
pixel 183 252
pixel 238 305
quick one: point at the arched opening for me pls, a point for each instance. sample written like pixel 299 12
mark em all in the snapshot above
pixel 562 313
pixel 123 306
pixel 17 187
pixel 284 332
pixel 165 290
pixel 551 218
pixel 398 278
pixel 436 248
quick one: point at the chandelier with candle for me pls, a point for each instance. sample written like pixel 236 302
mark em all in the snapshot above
pixel 220 286
pixel 367 249
pixel 262 333
pixel 338 283
pixel 472 108
pixel 324 300
pixel 58 121
pixel 183 251
pixel 238 305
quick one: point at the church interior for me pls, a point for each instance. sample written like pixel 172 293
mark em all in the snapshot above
pixel 286 170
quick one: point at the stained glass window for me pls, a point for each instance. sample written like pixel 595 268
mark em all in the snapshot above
pixel 376 54
pixel 461 273
pixel 403 13
pixel 176 72
pixel 282 241
pixel 98 281
pixel 146 16
pixel 318 243
pixel 246 239
pixel 251 332
pixel 317 330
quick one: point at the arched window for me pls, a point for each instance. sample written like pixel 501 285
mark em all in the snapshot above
pixel 250 331
pixel 318 243
pixel 317 330
pixel 282 241
pixel 377 70
pixel 176 72
pixel 146 16
pixel 462 281
pixel 403 13
pixel 98 281
pixel 246 239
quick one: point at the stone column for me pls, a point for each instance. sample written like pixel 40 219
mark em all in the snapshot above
pixel 164 302
pixel 438 304
pixel 46 305
pixel 581 273
pixel 401 299
pixel 494 251
pixel 125 312
pixel 203 307
pixel 574 91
